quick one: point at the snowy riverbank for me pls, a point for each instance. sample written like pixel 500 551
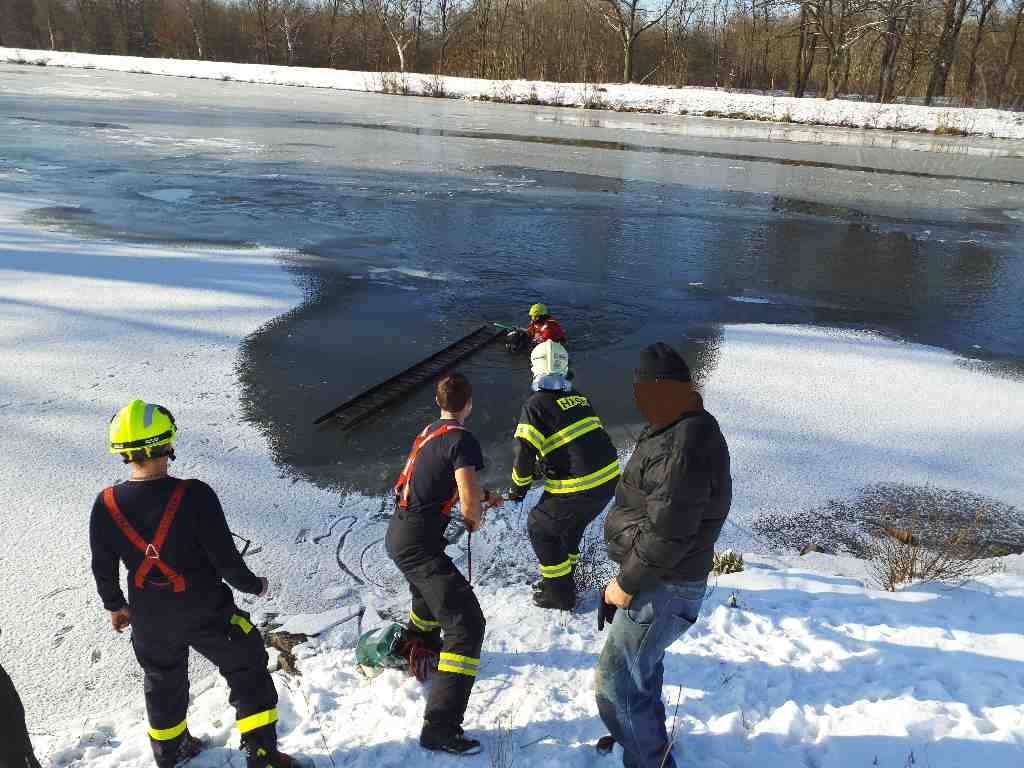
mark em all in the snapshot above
pixel 812 668
pixel 694 101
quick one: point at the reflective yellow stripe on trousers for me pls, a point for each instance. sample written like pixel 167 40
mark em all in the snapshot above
pixel 556 571
pixel 459 665
pixel 260 719
pixel 166 734
pixel 423 625
pixel 585 483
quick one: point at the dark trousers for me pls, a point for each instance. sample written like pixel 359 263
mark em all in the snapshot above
pixel 15 746
pixel 441 598
pixel 556 527
pixel 224 635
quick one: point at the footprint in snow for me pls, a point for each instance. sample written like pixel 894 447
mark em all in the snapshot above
pixel 61 634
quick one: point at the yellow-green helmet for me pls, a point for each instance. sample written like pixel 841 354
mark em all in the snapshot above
pixel 143 428
pixel 538 310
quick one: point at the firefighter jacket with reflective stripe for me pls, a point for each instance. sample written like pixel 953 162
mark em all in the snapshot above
pixel 560 440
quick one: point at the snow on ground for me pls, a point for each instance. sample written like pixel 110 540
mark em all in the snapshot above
pixel 85 325
pixel 810 669
pixel 623 97
pixel 814 415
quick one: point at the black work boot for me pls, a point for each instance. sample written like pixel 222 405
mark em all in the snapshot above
pixel 261 751
pixel 448 739
pixel 186 748
pixel 557 594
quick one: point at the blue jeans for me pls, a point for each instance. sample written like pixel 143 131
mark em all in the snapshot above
pixel 631 669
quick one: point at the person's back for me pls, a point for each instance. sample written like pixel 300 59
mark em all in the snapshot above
pixel 576 444
pixel 195 544
pixel 172 536
pixel 561 441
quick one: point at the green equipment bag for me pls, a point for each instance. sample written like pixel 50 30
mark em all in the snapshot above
pixel 381 649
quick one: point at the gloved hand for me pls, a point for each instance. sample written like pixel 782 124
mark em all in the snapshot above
pixel 515 493
pixel 605 614
pixel 422 660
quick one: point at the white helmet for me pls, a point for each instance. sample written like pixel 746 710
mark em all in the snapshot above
pixel 549 357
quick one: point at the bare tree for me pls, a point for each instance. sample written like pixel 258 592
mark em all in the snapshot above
pixel 1014 26
pixel 954 12
pixel 449 16
pixel 332 10
pixel 629 21
pixel 838 27
pixel 396 16
pixel 896 15
pixel 806 46
pixel 972 71
pixel 263 10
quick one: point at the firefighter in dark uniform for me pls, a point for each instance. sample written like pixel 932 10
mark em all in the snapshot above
pixel 174 541
pixel 442 468
pixel 16 747
pixel 560 438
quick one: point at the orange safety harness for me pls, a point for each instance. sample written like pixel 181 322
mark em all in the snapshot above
pixel 151 550
pixel 404 482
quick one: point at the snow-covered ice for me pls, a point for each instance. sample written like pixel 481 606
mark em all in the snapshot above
pixel 813 668
pixel 809 669
pixel 624 97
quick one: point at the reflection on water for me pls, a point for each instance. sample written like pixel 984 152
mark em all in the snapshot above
pixel 622 264
pixel 413 221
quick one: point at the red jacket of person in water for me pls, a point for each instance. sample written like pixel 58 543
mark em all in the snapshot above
pixel 546 328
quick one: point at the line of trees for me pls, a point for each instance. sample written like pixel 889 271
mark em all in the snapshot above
pixel 959 51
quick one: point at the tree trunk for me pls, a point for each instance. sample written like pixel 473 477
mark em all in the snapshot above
pixel 972 72
pixel 895 29
pixel 1011 49
pixel 945 50
pixel 196 36
pixel 627 57
pixel 332 26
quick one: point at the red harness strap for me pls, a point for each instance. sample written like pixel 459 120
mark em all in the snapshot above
pixel 404 482
pixel 151 550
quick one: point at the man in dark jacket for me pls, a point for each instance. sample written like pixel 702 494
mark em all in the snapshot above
pixel 670 505
pixel 173 539
pixel 15 746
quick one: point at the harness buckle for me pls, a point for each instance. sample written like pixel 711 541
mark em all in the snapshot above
pixel 152 553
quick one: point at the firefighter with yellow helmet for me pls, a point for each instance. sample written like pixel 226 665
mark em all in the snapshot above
pixel 174 541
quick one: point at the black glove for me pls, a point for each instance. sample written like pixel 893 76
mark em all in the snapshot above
pixel 605 613
pixel 515 493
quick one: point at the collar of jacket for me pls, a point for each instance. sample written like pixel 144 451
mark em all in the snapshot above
pixel 650 431
pixel 552 382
